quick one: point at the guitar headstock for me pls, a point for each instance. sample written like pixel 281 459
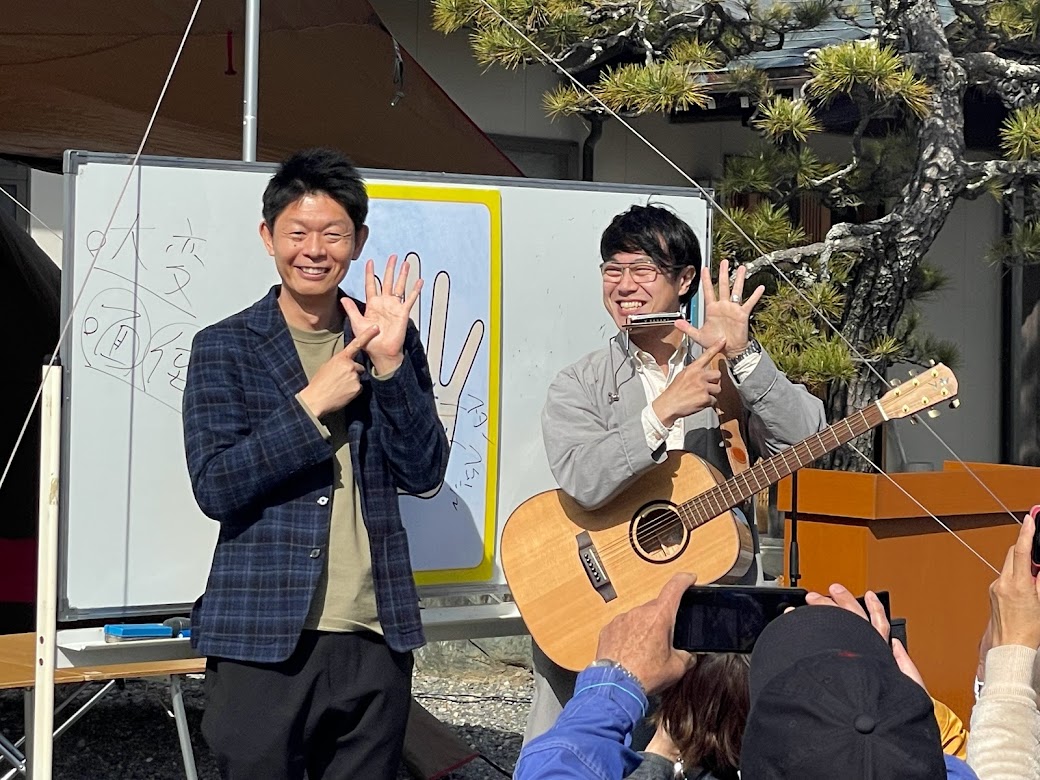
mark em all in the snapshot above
pixel 933 386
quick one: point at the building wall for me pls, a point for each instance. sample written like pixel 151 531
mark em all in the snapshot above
pixel 967 312
pixel 48 206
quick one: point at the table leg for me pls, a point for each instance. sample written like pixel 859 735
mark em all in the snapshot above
pixel 29 701
pixel 177 698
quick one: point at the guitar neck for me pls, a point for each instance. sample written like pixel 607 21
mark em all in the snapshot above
pixel 725 496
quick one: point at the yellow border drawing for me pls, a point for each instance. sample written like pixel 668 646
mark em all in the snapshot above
pixel 492 200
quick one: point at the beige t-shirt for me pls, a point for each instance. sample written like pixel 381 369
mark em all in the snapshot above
pixel 345 598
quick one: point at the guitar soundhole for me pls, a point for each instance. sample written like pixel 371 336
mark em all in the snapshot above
pixel 658 534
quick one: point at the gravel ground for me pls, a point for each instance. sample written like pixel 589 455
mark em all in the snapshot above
pixel 128 735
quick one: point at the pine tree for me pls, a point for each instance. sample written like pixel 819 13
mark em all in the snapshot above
pixel 909 74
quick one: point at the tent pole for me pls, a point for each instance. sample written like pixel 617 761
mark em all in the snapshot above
pixel 250 80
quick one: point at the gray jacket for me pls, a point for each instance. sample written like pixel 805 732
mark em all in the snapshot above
pixel 596 447
pixel 655 767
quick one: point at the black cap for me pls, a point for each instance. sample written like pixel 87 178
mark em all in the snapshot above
pixel 828 701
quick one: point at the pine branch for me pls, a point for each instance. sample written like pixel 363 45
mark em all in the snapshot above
pixel 1009 172
pixel 1016 84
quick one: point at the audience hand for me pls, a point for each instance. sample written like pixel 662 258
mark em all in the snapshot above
pixel 641 639
pixel 1015 596
pixel 842 598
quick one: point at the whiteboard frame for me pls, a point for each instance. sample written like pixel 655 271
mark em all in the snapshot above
pixel 74 160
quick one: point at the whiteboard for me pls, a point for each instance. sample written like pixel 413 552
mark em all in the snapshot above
pixel 157 252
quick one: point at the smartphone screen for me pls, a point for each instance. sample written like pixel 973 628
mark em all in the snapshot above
pixel 729 619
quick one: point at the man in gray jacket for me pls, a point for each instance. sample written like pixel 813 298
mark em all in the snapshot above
pixel 617 412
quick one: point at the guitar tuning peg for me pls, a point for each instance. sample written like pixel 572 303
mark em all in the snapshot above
pixel 955 403
pixel 931 363
pixel 913 419
pixel 893 382
pixel 912 372
pixel 933 413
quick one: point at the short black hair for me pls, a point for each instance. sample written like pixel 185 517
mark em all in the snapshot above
pixel 660 235
pixel 313 171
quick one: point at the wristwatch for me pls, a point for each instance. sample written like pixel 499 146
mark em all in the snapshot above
pixel 752 348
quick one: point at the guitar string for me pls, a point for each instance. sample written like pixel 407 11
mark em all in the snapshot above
pixel 104 236
pixel 707 514
pixel 700 510
pixel 706 506
pixel 751 242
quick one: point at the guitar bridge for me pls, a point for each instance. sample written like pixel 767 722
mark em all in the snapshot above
pixel 593 567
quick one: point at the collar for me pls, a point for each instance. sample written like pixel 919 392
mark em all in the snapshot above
pixel 645 360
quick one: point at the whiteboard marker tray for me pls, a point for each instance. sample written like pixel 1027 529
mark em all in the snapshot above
pixel 87 647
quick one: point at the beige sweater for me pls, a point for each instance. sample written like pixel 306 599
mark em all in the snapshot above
pixel 1005 723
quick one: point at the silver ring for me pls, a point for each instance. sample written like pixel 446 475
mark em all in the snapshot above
pixel 400 297
pixel 735 298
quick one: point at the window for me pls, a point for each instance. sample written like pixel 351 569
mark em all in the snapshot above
pixel 14 181
pixel 540 158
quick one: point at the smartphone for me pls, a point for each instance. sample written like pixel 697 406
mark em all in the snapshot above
pixel 729 619
pixel 1036 539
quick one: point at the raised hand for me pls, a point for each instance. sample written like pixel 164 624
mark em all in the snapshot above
pixel 1015 595
pixel 337 382
pixel 388 305
pixel 726 315
pixel 694 388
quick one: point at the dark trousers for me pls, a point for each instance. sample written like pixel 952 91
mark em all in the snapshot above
pixel 336 709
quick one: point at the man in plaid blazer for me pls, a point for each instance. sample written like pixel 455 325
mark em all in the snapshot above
pixel 303 416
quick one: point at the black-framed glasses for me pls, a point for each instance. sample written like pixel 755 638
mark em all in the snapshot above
pixel 641 273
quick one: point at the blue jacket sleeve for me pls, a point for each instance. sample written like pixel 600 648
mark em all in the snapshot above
pixel 957 769
pixel 405 414
pixel 590 740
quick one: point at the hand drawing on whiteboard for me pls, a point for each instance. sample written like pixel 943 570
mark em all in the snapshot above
pixel 446 394
pixel 138 328
pixel 450 237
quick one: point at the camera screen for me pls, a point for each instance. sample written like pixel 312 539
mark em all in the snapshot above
pixel 729 620
pixel 721 619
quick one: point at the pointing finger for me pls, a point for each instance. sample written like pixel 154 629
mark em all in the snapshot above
pixel 359 342
pixel 709 354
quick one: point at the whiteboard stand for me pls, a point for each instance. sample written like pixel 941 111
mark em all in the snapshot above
pixel 76 647
pixel 41 747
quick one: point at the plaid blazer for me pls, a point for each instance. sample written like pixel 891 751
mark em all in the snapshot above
pixel 260 467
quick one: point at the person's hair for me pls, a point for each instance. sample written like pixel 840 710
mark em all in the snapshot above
pixel 705 713
pixel 660 235
pixel 316 171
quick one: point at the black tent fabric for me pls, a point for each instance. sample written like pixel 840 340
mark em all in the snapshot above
pixel 30 294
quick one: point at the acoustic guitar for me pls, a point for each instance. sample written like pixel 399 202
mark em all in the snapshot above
pixel 571 570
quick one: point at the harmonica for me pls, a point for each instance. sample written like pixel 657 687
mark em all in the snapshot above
pixel 652 320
